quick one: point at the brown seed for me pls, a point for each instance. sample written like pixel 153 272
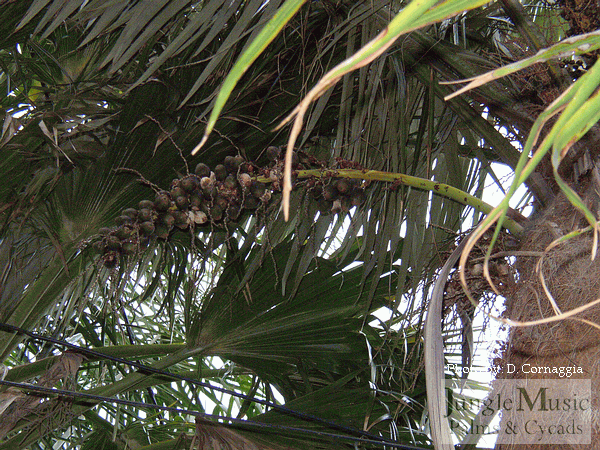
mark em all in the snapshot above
pixel 202 170
pixel 251 203
pixel 131 212
pixel 216 213
pixel 123 233
pixel 337 206
pixel 110 260
pixel 182 202
pixel 266 197
pixel 196 200
pixel 113 242
pixel 273 153
pixel 177 192
pixel 188 184
pixel 121 220
pixel 147 228
pixel 145 214
pixel 206 183
pixel 245 180
pixel 246 167
pixel 233 211
pixel 199 217
pixel 162 201
pixel 257 189
pixel 129 248
pixel 230 165
pixel 205 206
pixel 162 231
pixel 329 192
pixel 221 202
pixel 230 182
pixel 316 191
pixel 210 192
pixel 342 186
pixel 168 220
pixel 181 217
pixel 238 160
pixel 324 206
pixel 220 172
pixel 146 204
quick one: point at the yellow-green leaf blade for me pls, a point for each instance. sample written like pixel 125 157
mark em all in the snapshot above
pixel 256 47
pixel 576 45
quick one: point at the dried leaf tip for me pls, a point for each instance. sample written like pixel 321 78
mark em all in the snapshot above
pixel 199 146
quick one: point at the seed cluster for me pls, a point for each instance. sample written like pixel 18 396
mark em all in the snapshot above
pixel 206 197
pixel 337 196
pixel 213 198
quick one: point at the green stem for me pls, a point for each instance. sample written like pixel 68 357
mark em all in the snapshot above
pixel 442 189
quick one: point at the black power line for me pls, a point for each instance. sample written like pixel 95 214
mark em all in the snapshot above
pixel 239 423
pixel 359 435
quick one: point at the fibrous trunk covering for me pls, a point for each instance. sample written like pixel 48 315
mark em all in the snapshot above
pixel 573 280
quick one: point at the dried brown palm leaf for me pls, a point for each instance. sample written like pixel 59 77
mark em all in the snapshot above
pixel 218 437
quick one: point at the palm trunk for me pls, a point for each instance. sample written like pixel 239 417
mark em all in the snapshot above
pixel 566 350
